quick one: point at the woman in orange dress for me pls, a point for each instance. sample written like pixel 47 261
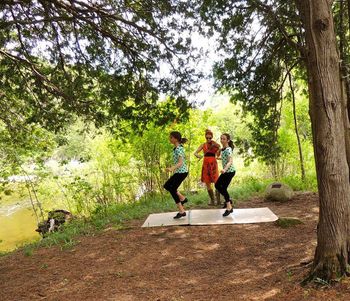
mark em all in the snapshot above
pixel 210 171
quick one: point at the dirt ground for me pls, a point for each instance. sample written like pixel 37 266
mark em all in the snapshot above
pixel 227 262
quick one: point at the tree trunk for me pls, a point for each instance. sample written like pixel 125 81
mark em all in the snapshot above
pixel 326 112
pixel 302 169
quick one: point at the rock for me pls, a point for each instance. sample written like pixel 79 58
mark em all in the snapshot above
pixel 278 192
pixel 55 219
pixel 287 222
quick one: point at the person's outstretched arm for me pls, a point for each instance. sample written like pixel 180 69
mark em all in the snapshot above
pixel 196 153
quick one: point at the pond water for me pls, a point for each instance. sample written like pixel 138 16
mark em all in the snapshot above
pixel 17 225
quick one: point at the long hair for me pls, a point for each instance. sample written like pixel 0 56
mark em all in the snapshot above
pixel 178 137
pixel 230 143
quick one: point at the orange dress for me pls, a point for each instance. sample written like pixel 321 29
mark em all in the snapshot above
pixel 210 170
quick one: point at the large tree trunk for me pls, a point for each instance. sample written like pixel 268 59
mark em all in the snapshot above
pixel 326 112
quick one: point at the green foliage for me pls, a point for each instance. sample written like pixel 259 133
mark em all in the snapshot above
pixel 247 188
pixel 108 179
pixel 258 42
pixel 109 169
pixel 65 236
pixel 73 142
pixel 118 214
pixel 30 142
pixel 114 169
pixel 152 154
pixel 297 184
pixel 100 62
pixel 82 193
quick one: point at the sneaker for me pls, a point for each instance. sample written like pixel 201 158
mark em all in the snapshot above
pixel 179 215
pixel 184 201
pixel 227 212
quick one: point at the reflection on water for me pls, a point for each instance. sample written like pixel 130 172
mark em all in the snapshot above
pixel 17 225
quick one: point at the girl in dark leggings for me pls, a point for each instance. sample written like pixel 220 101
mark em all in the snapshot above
pixel 180 173
pixel 227 173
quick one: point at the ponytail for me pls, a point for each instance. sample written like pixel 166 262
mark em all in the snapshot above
pixel 183 140
pixel 177 136
pixel 230 142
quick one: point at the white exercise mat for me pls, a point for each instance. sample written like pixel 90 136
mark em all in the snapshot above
pixel 212 217
pixel 165 219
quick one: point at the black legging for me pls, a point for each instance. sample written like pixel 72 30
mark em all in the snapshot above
pixel 223 182
pixel 173 184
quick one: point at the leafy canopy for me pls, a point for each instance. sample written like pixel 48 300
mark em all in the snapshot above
pixel 103 60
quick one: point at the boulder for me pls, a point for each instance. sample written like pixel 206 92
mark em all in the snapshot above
pixel 278 192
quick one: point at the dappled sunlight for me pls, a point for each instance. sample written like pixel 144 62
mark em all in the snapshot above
pixel 310 216
pixel 251 226
pixel 239 281
pixel 266 295
pixel 92 255
pixel 179 231
pixel 315 209
pixel 248 261
pixel 192 280
pixel 170 264
pixel 101 259
pixel 265 275
pixel 265 264
pixel 202 247
pixel 199 255
pixel 88 277
pixel 165 252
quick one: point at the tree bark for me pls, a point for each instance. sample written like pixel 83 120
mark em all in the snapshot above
pixel 326 112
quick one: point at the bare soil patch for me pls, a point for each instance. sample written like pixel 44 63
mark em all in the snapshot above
pixel 228 262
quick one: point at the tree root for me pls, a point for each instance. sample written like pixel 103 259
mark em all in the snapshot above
pixel 327 271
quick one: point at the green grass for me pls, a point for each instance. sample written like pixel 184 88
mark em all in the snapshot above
pixel 3 253
pixel 116 215
pixel 28 250
pixel 247 188
pixel 310 183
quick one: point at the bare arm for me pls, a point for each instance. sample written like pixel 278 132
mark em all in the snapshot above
pixel 196 153
pixel 174 167
pixel 218 154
